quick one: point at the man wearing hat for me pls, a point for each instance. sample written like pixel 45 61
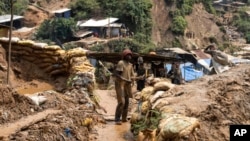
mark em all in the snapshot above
pixel 124 73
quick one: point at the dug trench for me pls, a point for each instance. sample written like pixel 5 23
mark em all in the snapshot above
pixel 71 112
pixel 51 97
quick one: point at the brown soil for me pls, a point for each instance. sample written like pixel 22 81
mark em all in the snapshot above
pixel 217 101
pixel 201 23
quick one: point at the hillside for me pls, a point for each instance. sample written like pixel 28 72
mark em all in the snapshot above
pixel 200 22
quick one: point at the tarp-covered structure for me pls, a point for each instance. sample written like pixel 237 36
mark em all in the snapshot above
pixel 102 27
pixel 115 57
pixel 178 53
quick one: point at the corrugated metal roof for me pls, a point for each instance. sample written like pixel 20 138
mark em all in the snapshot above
pixel 61 10
pixel 6 18
pixel 200 54
pixel 98 23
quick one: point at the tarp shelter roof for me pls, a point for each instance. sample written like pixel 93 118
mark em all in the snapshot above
pixel 61 10
pixel 98 23
pixel 6 18
pixel 115 57
pixel 178 53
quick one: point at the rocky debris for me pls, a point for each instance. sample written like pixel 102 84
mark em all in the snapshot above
pixel 75 121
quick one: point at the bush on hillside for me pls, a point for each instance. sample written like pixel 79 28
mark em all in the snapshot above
pixel 58 30
pixel 84 9
pixel 19 7
pixel 179 25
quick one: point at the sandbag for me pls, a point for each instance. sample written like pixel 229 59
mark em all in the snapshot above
pixel 48 60
pixel 163 86
pixel 40 45
pixel 54 47
pixel 60 52
pixel 49 69
pixel 157 95
pixel 147 135
pixel 28 58
pixel 135 117
pixel 21 48
pixel 82 68
pixel 20 52
pixel 160 103
pixel 145 107
pixel 76 52
pixel 176 126
pixel 6 39
pixel 44 65
pixel 146 92
pixel 28 43
pixel 58 71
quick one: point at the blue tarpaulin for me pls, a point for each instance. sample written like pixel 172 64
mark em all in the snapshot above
pixel 189 72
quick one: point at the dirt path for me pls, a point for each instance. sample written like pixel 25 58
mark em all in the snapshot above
pixel 8 129
pixel 110 131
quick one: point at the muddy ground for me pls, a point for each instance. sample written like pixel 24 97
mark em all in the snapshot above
pixel 217 101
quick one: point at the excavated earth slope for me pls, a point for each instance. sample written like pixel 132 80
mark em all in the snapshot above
pixel 217 101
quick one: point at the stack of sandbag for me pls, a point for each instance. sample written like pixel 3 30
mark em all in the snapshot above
pixel 49 58
pixel 78 61
pixel 171 126
pixel 175 127
pixel 149 96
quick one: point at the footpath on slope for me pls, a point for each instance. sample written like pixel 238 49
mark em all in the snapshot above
pixel 110 131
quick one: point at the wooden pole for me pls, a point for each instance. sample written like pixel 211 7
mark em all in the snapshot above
pixel 10 36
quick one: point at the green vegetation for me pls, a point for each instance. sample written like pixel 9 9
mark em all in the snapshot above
pixel 57 30
pixel 242 22
pixel 151 122
pixel 185 7
pixel 119 45
pixel 84 9
pixel 19 6
pixel 179 25
pixel 176 43
pixel 134 14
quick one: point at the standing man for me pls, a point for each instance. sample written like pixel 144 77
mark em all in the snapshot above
pixel 175 74
pixel 124 73
pixel 141 71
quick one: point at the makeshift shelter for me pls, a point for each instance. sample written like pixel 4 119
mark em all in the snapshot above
pixel 115 57
pixel 178 53
pixel 4 30
pixel 17 20
pixel 189 71
pixel 104 27
pixel 63 13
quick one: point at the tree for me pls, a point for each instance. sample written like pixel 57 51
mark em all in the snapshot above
pixel 83 9
pixel 58 29
pixel 19 6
